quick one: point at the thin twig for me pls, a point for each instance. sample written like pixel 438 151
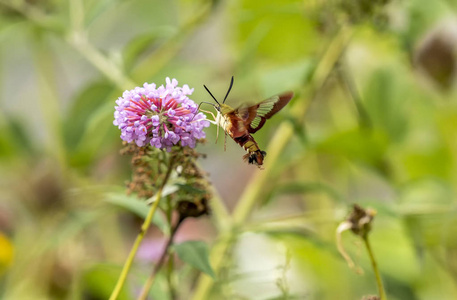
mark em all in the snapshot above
pixel 171 286
pixel 382 293
pixel 348 81
pixel 147 286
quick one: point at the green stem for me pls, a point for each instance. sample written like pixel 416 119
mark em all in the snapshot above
pixel 78 39
pixel 348 81
pixel 286 131
pixel 147 286
pixel 282 136
pixel 382 293
pixel 32 13
pixel 139 238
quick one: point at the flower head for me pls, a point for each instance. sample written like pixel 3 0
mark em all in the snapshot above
pixel 162 116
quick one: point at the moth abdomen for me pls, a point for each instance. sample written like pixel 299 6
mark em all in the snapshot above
pixel 255 158
pixel 255 155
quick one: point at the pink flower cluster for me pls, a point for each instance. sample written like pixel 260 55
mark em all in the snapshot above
pixel 161 117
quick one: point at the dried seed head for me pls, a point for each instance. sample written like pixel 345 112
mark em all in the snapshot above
pixel 193 209
pixel 360 220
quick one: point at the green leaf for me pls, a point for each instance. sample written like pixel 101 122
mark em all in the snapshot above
pixel 386 102
pixel 14 138
pixel 138 207
pixel 92 97
pixel 95 9
pixel 167 190
pixel 357 145
pixel 284 77
pixel 98 134
pixel 419 163
pixel 196 254
pixel 190 189
pixel 274 37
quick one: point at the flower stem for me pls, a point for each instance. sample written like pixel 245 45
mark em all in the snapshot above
pixel 382 293
pixel 147 286
pixel 139 238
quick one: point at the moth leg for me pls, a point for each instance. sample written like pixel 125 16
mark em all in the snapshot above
pixel 208 112
pixel 211 121
pixel 225 133
pixel 215 122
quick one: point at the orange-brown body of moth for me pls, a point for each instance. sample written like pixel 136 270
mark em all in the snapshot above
pixel 239 123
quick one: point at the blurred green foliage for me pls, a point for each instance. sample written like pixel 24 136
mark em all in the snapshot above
pixel 374 122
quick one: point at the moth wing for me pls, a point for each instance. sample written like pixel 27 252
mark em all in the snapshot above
pixel 255 116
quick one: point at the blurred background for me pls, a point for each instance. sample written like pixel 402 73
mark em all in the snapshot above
pixel 373 122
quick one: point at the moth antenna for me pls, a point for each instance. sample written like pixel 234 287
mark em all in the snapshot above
pixel 230 87
pixel 203 102
pixel 211 95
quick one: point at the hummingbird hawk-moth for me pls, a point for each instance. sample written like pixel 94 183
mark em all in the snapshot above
pixel 239 123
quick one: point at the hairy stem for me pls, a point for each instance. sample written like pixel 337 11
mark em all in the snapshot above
pixel 139 238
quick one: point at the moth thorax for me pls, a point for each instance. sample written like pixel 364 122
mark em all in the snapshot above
pixel 225 109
